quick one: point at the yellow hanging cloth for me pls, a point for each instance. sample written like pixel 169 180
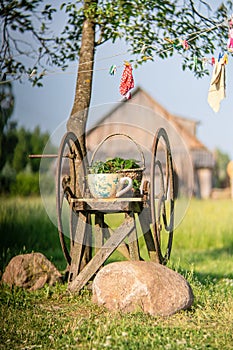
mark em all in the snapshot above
pixel 217 90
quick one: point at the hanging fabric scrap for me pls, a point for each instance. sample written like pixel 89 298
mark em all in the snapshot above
pixel 204 62
pixel 220 56
pixel 184 44
pixel 217 90
pixel 127 81
pixel 230 36
pixel 113 69
pixel 195 62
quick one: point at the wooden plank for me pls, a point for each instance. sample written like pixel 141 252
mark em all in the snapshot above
pixel 107 200
pixel 87 247
pixel 145 221
pixel 123 247
pixel 108 206
pixel 98 228
pixel 78 229
pixel 133 242
pixel 102 255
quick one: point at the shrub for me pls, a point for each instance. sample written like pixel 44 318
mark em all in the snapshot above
pixel 26 184
pixel 7 177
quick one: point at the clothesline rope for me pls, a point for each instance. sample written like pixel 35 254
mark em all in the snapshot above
pixel 47 72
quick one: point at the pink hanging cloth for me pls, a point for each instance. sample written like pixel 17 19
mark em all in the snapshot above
pixel 127 81
pixel 230 36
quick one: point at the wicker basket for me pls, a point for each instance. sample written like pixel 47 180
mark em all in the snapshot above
pixel 134 174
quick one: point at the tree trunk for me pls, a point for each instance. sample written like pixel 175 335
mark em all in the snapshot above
pixel 79 114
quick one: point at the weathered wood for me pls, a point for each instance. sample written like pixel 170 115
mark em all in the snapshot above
pixel 99 235
pixel 78 228
pixel 87 247
pixel 107 200
pixel 145 220
pixel 123 247
pixel 108 205
pixel 133 242
pixel 102 255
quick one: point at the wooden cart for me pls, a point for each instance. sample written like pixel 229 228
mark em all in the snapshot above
pixel 151 211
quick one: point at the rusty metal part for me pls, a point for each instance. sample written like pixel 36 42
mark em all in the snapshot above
pixel 66 182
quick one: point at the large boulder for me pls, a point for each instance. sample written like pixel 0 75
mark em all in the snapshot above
pixel 130 286
pixel 31 271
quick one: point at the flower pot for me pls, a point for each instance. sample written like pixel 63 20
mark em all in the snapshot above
pixel 133 172
pixel 108 185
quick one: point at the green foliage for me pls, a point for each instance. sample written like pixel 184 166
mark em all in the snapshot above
pixel 29 142
pixel 25 184
pixel 205 239
pixel 51 318
pixel 20 153
pixel 19 18
pixel 25 227
pixel 113 165
pixel 8 137
pixel 221 179
pixel 56 320
pixel 7 178
pixel 142 24
pixel 16 146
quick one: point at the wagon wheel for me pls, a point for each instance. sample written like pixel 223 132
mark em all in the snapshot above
pixel 162 196
pixel 69 183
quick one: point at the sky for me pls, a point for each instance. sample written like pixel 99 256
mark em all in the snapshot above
pixel 178 91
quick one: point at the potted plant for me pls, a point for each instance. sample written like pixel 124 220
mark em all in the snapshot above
pixel 125 170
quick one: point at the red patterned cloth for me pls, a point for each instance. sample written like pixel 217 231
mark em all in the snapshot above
pixel 127 81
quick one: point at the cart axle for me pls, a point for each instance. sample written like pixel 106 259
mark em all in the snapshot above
pixel 43 155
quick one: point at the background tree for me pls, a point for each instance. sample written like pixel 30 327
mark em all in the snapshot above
pixel 15 146
pixel 21 150
pixel 19 174
pixel 221 179
pixel 142 24
pixel 8 138
pixel 29 142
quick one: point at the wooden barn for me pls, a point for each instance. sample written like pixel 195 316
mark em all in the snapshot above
pixel 139 118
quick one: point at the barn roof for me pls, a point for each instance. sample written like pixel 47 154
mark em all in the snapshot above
pixel 186 127
pixel 179 122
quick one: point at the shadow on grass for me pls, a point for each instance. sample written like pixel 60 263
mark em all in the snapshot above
pixel 214 254
pixel 35 235
pixel 210 278
pixel 207 266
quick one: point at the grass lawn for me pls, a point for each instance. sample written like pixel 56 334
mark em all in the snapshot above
pixel 51 318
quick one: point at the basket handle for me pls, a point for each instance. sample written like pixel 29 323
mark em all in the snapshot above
pixel 119 134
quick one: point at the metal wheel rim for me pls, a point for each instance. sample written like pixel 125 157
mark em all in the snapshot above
pixel 70 140
pixel 160 210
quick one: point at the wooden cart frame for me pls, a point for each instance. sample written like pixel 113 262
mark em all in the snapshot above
pixel 153 209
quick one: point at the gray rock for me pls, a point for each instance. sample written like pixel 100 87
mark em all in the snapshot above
pixel 130 286
pixel 31 271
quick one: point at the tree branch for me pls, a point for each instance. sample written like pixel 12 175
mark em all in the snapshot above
pixel 195 11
